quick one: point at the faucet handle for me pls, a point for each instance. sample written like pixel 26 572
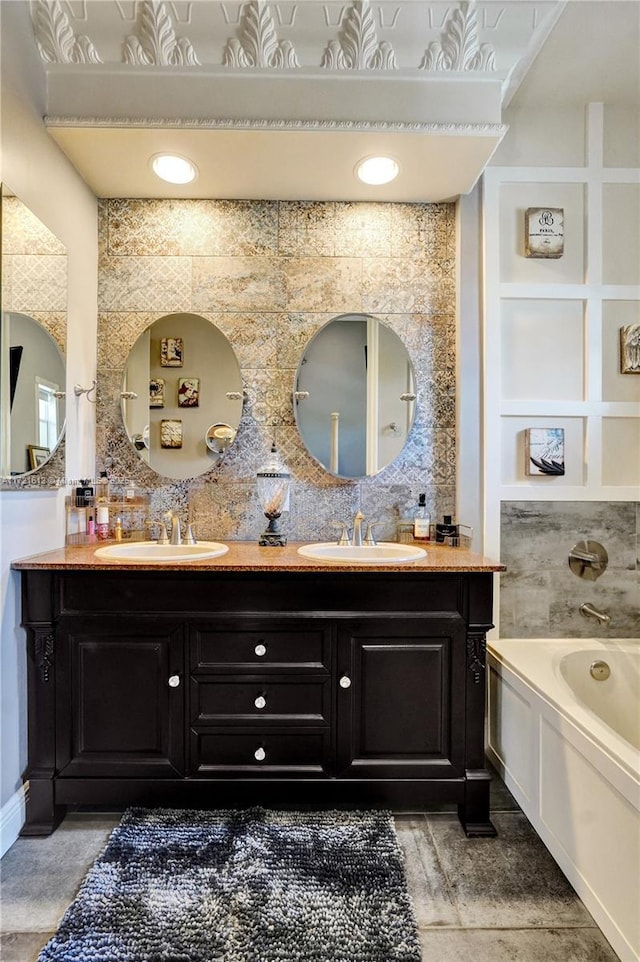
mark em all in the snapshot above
pixel 344 533
pixel 369 537
pixel 163 538
pixel 190 537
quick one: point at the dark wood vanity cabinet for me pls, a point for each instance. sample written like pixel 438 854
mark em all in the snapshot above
pixel 208 688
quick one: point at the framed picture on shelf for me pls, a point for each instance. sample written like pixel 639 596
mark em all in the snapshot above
pixel 544 452
pixel 630 349
pixel 544 232
pixel 171 433
pixel 156 392
pixel 37 455
pixel 188 392
pixel 171 352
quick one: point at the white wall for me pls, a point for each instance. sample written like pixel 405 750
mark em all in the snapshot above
pixel 33 521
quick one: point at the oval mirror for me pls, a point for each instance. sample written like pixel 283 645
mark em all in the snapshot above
pixel 33 402
pixel 354 396
pixel 181 379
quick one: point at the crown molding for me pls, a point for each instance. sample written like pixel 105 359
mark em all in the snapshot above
pixel 457 130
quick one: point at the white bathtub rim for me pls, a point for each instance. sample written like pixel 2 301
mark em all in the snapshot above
pixel 542 677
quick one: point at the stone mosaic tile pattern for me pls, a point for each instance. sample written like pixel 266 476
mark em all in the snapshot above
pixel 34 282
pixel 540 596
pixel 269 275
pixel 28 234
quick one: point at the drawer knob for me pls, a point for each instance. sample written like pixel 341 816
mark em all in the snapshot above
pixel 260 650
pixel 174 681
pixel 259 754
pixel 260 701
pixel 345 682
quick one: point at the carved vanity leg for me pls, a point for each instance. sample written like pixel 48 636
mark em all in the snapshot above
pixel 474 811
pixel 42 814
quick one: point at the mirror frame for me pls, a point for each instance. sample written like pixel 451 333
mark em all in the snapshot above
pixel 50 473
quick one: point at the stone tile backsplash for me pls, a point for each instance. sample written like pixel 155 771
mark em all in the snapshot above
pixel 268 275
pixel 540 596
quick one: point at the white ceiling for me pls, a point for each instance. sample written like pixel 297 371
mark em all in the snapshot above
pixel 279 100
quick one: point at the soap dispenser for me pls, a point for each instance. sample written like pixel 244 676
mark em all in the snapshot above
pixel 421 520
pixel 446 530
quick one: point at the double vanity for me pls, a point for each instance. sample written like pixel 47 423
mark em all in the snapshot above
pixel 256 675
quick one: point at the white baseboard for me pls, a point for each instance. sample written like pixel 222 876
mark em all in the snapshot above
pixel 12 815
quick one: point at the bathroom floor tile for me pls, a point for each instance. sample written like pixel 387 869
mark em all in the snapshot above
pixel 426 881
pixel 515 945
pixel 508 881
pixel 40 876
pixel 22 946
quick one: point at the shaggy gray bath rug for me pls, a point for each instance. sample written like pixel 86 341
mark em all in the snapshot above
pixel 243 886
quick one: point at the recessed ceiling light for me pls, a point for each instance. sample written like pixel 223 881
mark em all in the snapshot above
pixel 173 168
pixel 377 170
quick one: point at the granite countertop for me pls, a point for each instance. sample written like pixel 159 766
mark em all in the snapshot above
pixel 249 556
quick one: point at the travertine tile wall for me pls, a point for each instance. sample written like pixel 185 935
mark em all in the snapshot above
pixel 269 274
pixel 540 596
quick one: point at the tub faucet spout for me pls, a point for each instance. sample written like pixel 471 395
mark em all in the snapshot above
pixel 589 611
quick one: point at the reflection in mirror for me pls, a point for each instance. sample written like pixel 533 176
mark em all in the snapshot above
pixel 32 338
pixel 354 396
pixel 181 380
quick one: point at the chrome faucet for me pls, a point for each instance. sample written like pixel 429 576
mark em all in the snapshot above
pixel 176 536
pixel 590 611
pixel 357 529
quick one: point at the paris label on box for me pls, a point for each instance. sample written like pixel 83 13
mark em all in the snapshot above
pixel 544 232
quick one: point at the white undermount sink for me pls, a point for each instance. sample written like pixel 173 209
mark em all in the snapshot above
pixel 387 552
pixel 152 551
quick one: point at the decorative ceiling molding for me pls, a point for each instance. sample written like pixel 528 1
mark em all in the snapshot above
pixel 357 47
pixel 459 47
pixel 356 126
pixel 55 38
pixel 257 44
pixel 156 43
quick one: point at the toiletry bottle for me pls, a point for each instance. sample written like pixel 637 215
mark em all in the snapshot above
pixel 84 494
pixel 421 520
pixel 91 526
pixel 117 531
pixel 446 530
pixel 102 507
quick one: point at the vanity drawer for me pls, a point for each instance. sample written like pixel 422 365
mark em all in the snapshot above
pixel 256 753
pixel 272 647
pixel 293 699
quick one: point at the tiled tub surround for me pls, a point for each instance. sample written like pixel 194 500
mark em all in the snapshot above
pixel 539 595
pixel 268 275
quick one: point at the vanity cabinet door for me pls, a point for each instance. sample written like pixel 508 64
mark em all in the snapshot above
pixel 400 698
pixel 120 698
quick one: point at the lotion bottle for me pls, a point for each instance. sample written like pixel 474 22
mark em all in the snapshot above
pixel 421 520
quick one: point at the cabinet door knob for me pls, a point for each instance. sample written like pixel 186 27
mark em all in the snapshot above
pixel 174 681
pixel 259 754
pixel 345 682
pixel 260 650
pixel 260 701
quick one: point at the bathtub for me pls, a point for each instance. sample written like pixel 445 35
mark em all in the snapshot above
pixel 568 748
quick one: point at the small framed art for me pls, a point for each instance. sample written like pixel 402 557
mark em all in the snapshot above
pixel 544 449
pixel 156 392
pixel 630 349
pixel 171 352
pixel 188 392
pixel 37 455
pixel 171 433
pixel 544 232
